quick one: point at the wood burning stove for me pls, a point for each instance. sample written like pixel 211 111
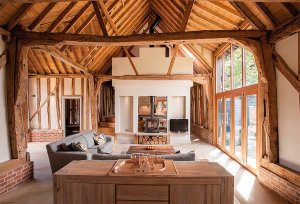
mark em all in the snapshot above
pixel 152 123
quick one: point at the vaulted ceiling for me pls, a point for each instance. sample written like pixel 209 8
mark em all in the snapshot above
pixel 125 17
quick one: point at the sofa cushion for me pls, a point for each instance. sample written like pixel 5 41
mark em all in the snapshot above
pixel 99 139
pixel 88 136
pixel 55 146
pixel 78 147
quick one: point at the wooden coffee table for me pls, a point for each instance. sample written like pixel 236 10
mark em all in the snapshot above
pixel 165 149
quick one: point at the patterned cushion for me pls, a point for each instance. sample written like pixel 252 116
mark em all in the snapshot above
pixel 65 147
pixel 99 139
pixel 78 147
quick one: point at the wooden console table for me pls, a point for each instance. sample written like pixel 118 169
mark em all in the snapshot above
pixel 196 182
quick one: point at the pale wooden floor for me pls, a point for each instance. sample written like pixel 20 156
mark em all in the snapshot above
pixel 247 187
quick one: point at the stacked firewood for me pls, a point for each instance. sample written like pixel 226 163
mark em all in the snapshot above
pixel 153 140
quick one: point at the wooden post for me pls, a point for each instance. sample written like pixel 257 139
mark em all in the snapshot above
pixel 17 88
pixel 267 96
pixel 93 102
pixel 271 121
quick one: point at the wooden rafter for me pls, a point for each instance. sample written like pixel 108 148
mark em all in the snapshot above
pixel 60 56
pixel 40 38
pixel 267 13
pixel 77 17
pixel 248 15
pixel 99 17
pixel 109 19
pixel 41 17
pixel 184 22
pixel 290 8
pixel 223 18
pixel 286 29
pixel 81 28
pixel 61 16
pixel 19 15
pixel 289 74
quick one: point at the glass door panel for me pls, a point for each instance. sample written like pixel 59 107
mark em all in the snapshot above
pixel 238 125
pixel 220 121
pixel 251 129
pixel 227 123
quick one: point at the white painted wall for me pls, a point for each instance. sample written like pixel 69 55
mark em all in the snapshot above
pixel 126 114
pixel 4 136
pixel 152 61
pixel 288 106
pixel 67 92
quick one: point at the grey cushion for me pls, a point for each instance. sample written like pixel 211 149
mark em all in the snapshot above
pixel 88 136
pixel 54 146
pixel 190 156
pixel 110 156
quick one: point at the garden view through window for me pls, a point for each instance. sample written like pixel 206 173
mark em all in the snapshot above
pixel 236 97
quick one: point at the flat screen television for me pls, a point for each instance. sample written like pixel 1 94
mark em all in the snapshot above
pixel 179 125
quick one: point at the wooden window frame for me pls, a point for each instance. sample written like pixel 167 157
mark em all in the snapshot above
pixel 243 91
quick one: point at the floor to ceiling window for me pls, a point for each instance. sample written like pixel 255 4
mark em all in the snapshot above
pixel 236 103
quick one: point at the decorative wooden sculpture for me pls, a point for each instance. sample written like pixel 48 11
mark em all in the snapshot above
pixel 144 164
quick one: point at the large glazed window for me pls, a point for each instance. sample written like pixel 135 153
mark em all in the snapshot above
pixel 236 98
pixel 235 68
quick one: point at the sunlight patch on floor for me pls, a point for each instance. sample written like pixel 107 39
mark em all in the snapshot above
pixel 233 167
pixel 222 159
pixel 245 184
pixel 215 152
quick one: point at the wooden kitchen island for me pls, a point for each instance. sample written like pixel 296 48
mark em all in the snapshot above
pixel 197 182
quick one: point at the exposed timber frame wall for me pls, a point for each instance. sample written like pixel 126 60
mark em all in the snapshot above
pixel 46 109
pixel 202 111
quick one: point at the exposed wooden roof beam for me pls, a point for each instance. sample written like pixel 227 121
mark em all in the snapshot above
pixel 41 17
pixel 198 78
pixel 216 36
pixel 184 22
pixel 59 55
pixel 248 15
pixel 61 16
pixel 19 15
pixel 227 9
pixel 286 29
pixel 267 13
pixel 199 57
pixel 99 17
pixel 35 61
pixel 109 19
pixel 290 8
pixel 289 74
pixel 218 15
pixel 81 28
pixel 77 17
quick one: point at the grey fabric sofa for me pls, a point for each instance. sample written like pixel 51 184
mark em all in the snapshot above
pixel 59 159
pixel 190 156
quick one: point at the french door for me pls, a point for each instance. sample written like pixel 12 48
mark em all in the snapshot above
pixel 237 125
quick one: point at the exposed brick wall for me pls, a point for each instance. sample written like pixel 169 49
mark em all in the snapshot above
pixel 203 133
pixel 16 176
pixel 284 188
pixel 44 135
